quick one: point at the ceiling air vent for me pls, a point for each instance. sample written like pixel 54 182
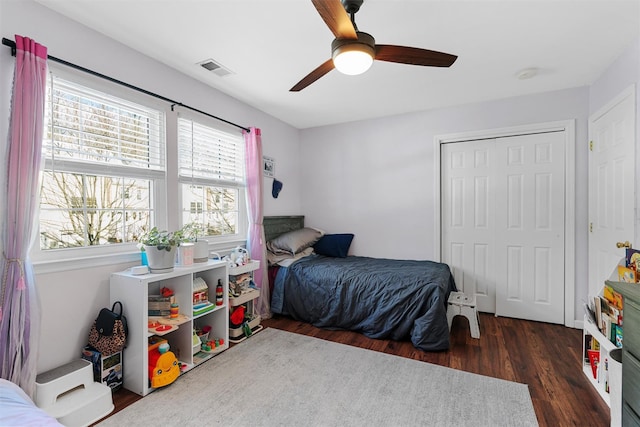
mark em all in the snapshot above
pixel 215 67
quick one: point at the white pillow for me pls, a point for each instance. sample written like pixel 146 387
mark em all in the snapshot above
pixel 294 241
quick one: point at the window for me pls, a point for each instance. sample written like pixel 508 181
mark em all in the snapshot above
pixel 105 173
pixel 212 178
pixel 103 159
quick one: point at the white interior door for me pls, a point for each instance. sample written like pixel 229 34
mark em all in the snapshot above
pixel 502 230
pixel 611 186
pixel 530 227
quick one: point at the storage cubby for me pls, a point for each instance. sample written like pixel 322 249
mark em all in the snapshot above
pixel 134 290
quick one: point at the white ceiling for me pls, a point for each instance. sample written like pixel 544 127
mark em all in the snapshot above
pixel 271 44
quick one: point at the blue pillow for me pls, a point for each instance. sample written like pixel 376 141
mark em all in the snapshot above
pixel 335 245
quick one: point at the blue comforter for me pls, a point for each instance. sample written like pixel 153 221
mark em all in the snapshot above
pixel 382 298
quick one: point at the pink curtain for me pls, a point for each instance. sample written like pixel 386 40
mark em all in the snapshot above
pixel 19 312
pixel 255 240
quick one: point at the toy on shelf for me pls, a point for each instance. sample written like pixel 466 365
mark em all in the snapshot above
pixel 163 364
pixel 219 293
pixel 203 333
pixel 240 283
pixel 160 304
pixel 239 256
pixel 158 328
pixel 213 346
pixel 200 291
pixel 236 318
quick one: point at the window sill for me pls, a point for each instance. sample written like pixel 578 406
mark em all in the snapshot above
pixel 128 257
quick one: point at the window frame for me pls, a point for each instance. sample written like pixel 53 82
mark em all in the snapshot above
pixel 243 218
pixel 166 187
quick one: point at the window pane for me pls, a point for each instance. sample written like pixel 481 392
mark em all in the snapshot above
pixel 215 209
pixel 79 210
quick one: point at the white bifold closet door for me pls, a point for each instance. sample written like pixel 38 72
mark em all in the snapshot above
pixel 503 223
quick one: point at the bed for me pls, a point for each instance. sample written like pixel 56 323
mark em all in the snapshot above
pixel 19 410
pixel 381 298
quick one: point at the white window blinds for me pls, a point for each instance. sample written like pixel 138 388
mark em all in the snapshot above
pixel 209 155
pixel 88 126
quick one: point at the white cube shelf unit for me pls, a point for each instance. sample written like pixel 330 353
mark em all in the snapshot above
pixel 133 291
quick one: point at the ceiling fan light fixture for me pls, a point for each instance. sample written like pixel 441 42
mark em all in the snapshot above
pixel 353 57
pixel 352 62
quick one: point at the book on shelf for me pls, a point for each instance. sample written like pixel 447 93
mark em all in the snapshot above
pixel 629 268
pixel 615 298
pixel 618 336
pixel 597 308
pixel 609 327
pixel 626 274
pixel 609 316
pixel 588 310
pixel 632 258
pixel 587 347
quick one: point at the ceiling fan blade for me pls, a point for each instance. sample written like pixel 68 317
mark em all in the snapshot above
pixel 413 56
pixel 336 18
pixel 313 76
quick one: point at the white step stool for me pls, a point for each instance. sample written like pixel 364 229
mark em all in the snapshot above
pixel 463 305
pixel 70 395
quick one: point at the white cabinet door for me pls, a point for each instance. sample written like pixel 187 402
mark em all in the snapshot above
pixel 503 223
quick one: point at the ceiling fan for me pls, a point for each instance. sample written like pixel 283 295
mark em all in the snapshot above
pixel 354 51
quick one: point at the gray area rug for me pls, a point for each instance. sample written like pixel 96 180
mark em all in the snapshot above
pixel 278 378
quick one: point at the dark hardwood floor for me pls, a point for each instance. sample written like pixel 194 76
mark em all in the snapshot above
pixel 545 357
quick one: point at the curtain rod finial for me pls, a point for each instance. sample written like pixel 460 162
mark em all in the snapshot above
pixel 11 44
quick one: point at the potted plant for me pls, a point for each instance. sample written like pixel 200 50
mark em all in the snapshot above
pixel 201 247
pixel 160 247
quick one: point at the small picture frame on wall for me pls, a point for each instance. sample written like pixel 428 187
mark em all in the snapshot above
pixel 269 166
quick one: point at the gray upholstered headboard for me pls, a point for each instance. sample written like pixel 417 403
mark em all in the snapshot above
pixel 277 225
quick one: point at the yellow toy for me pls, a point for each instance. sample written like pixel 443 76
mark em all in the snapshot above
pixel 163 366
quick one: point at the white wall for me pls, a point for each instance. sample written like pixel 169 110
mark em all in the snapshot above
pixel 70 300
pixel 376 178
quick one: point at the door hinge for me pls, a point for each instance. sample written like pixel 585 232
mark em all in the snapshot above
pixel 590 227
pixel 590 145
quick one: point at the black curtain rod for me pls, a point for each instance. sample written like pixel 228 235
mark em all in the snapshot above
pixel 12 45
